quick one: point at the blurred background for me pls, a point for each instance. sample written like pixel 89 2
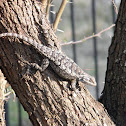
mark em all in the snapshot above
pixel 81 18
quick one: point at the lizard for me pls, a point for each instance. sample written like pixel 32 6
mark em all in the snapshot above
pixel 64 66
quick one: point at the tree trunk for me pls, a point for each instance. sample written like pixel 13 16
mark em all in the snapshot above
pixel 45 96
pixel 114 93
pixel 3 83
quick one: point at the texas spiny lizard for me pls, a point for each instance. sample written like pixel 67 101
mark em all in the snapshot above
pixel 60 63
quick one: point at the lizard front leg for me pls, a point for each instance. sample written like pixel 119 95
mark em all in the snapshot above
pixel 44 64
pixel 73 84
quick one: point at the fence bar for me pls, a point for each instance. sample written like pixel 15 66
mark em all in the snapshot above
pixel 51 15
pixel 113 13
pixel 73 29
pixel 19 114
pixel 7 119
pixel 95 47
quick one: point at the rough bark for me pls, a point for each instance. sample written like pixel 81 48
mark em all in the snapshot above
pixel 114 93
pixel 45 96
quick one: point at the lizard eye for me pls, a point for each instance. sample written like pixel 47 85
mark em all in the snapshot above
pixel 82 79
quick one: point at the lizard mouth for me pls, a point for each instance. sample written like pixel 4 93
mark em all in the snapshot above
pixel 89 81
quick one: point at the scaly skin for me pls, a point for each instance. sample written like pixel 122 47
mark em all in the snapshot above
pixel 61 64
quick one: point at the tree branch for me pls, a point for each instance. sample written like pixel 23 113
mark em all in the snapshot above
pixel 115 7
pixel 58 16
pixel 44 4
pixel 92 36
pixel 48 7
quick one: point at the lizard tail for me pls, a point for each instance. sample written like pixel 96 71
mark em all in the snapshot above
pixel 40 47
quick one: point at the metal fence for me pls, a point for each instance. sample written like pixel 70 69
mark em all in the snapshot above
pixel 74 50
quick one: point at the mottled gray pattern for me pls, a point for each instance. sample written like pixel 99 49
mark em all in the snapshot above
pixel 61 64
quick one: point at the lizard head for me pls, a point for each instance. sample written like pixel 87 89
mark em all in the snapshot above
pixel 87 79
